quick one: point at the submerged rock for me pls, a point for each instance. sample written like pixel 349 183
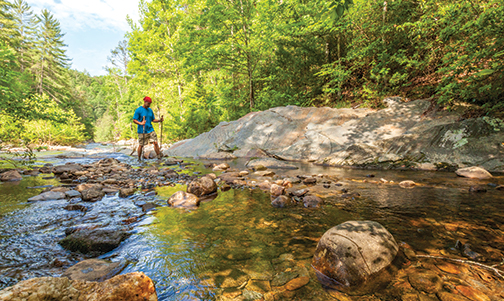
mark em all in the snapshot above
pixel 94 270
pixel 132 287
pixel 349 255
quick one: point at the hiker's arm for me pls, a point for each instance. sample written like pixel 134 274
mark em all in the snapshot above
pixel 158 120
pixel 139 122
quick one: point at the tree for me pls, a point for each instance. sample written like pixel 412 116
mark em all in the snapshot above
pixel 52 62
pixel 26 23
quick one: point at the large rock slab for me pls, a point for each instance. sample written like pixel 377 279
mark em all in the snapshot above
pixel 132 287
pixel 270 163
pixel 350 254
pixel 68 168
pixel 412 134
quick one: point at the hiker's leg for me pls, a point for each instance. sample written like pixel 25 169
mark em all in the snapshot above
pixel 141 143
pixel 156 149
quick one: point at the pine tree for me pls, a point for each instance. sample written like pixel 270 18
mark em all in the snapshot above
pixel 26 23
pixel 52 63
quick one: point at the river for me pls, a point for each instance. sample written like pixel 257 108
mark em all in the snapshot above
pixel 212 252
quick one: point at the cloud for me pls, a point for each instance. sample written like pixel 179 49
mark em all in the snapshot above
pixel 75 15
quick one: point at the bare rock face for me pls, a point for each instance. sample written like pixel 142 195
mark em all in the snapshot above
pixel 11 175
pixel 202 186
pixel 132 287
pixel 474 172
pixel 412 133
pixel 350 254
pixel 94 270
pixel 184 200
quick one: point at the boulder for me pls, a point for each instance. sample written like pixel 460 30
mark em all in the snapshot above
pixel 221 167
pixel 94 270
pixel 132 287
pixel 407 184
pixel 11 175
pixel 349 255
pixel 473 172
pixel 94 241
pixel 202 186
pixel 184 200
pixel 46 196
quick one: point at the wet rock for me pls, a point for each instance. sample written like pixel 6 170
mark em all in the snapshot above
pixel 94 270
pixel 298 192
pixel 269 163
pixel 266 186
pixel 67 168
pixel 229 177
pixel 202 186
pixel 472 293
pixel 92 195
pixel 72 194
pixel 310 180
pixel 172 161
pixel 11 175
pixel 312 201
pixel 75 207
pixel 477 189
pixel 264 173
pixel 474 172
pixel 445 296
pixel 407 184
pixel 94 241
pixel 126 192
pixel 184 200
pixel 82 187
pixel 221 167
pixel 500 187
pixel 46 196
pixel 132 287
pixel 282 278
pixel 297 283
pixel 261 286
pixel 276 190
pixel 149 206
pixel 219 156
pixel 426 281
pixel 282 201
pixel 348 255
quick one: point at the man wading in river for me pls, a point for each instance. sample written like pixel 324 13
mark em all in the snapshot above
pixel 143 117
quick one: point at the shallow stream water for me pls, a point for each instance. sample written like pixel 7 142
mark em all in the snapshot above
pixel 203 254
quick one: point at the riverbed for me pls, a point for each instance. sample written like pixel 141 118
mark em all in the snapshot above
pixel 233 245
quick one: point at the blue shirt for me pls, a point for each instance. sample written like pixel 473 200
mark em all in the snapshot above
pixel 149 116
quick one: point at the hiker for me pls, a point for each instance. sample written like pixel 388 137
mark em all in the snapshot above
pixel 143 117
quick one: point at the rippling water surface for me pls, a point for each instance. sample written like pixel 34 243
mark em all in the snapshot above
pixel 193 254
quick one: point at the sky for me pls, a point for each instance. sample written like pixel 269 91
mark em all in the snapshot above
pixel 92 28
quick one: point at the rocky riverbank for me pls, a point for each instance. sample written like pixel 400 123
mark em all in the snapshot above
pixel 405 135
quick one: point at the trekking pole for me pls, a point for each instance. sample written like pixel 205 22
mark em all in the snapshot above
pixel 142 141
pixel 161 142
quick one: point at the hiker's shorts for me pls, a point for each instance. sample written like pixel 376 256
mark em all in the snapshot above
pixel 144 139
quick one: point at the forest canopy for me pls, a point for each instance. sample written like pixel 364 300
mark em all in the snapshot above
pixel 207 61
